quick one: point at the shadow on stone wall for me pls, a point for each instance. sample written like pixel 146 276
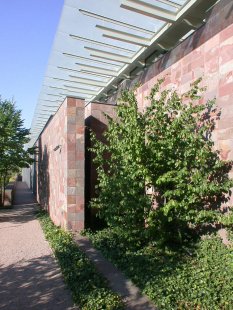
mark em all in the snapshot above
pixel 43 177
pixel 98 127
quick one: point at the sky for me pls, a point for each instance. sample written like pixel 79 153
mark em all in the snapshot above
pixel 27 30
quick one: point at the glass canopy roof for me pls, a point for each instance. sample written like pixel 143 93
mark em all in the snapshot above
pixel 100 43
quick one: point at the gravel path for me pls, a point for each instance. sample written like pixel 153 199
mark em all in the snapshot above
pixel 29 276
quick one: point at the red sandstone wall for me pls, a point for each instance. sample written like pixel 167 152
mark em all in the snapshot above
pixel 208 53
pixel 60 167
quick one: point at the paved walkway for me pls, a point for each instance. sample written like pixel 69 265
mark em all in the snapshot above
pixel 29 276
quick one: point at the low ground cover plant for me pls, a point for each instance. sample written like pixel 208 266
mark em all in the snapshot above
pixel 89 290
pixel 198 276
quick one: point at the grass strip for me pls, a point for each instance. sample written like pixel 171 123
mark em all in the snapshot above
pixel 89 289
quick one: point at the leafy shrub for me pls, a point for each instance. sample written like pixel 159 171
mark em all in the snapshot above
pixel 167 148
pixel 89 289
pixel 198 276
pixel 121 174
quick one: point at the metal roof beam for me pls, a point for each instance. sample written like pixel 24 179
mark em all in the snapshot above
pixel 126 76
pixel 54 95
pixel 171 3
pixel 51 100
pixel 80 80
pixel 116 22
pixel 68 69
pixel 193 22
pixel 66 89
pixel 148 9
pixel 101 43
pixel 91 59
pixel 49 106
pixel 165 45
pixel 87 81
pixel 82 90
pixel 108 55
pixel 86 97
pixel 90 72
pixel 123 36
pixel 38 126
pixel 38 131
pixel 106 73
pixel 99 70
pixel 42 118
pixel 48 110
pixel 38 122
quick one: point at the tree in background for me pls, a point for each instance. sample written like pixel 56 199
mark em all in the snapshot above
pixel 13 137
pixel 167 148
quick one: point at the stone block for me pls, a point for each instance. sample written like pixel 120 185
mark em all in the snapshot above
pixel 71 138
pixel 71 119
pixel 225 102
pixel 71 182
pixel 79 182
pixel 71 147
pixel 80 104
pixel 80 191
pixel 71 155
pixel 212 65
pixel 80 156
pixel 80 118
pixel 226 89
pixel 226 53
pixel 225 148
pixel 76 216
pixel 71 199
pixel 72 173
pixel 80 200
pixel 225 134
pixel 71 128
pixel 80 172
pixel 226 33
pixel 80 145
pixel 71 164
pixel 187 78
pixel 71 102
pixel 226 67
pixel 76 225
pixel 71 190
pixel 71 111
pixel 80 129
